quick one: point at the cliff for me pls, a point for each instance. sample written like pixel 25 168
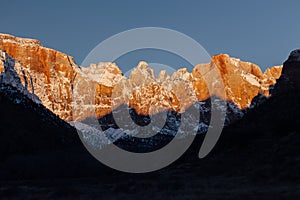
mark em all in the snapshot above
pixel 73 93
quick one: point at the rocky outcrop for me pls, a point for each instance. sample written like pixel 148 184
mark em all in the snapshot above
pixel 74 93
pixel 279 114
pixel 47 73
pixel 242 80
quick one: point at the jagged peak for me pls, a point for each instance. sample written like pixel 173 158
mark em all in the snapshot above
pixel 145 69
pixel 274 71
pixel 105 73
pixel 182 73
pixel 142 65
pixel 162 76
pixel 110 67
pixel 142 74
pixel 224 59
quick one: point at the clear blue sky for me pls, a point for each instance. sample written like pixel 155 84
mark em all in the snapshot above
pixel 263 32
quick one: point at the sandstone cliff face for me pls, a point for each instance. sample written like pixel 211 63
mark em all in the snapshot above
pixel 280 113
pixel 244 80
pixel 47 73
pixel 73 92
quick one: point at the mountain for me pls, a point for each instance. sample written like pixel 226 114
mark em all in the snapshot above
pixel 257 153
pixel 280 113
pixel 49 77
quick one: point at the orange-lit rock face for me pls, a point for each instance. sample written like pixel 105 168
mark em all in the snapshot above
pixel 244 80
pixel 271 75
pixel 153 98
pixel 50 72
pixel 98 89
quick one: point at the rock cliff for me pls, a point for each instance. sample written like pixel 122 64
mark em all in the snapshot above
pixel 53 79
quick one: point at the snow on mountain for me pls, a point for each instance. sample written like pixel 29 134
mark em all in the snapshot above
pixel 10 76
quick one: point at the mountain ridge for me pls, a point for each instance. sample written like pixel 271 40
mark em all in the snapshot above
pixel 258 153
pixel 54 76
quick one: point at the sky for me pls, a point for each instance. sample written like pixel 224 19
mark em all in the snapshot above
pixel 262 32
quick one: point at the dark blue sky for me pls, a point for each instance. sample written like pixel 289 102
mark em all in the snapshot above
pixel 263 32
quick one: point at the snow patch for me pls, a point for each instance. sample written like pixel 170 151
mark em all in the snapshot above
pixel 251 79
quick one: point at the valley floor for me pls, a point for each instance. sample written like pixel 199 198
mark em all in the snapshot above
pixel 176 184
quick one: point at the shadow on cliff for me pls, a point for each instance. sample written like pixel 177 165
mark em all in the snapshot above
pixel 35 143
pixel 264 145
pixel 25 125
